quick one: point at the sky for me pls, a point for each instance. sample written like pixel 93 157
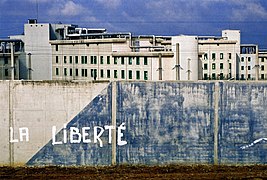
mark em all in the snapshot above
pixel 144 17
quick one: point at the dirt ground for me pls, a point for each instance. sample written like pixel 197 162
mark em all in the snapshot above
pixel 136 172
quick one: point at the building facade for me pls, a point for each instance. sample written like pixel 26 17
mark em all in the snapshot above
pixel 67 52
pixel 94 54
pixel 249 62
pixel 220 56
pixel 11 54
pixel 262 64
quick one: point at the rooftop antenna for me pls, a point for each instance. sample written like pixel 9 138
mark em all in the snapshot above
pixel 37 9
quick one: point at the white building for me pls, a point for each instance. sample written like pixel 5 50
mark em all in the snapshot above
pixel 11 56
pixel 66 52
pixel 263 64
pixel 94 54
pixel 220 55
pixel 38 49
pixel 249 62
pixel 185 50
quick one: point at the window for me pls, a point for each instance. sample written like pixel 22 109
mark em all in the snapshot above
pixel 230 66
pixel 85 72
pixel 115 60
pixel 57 59
pixel 82 72
pixel 76 72
pixel 145 61
pixel 65 59
pixel 56 47
pixel 130 74
pixel 115 74
pixel 108 60
pixel 138 75
pixel 205 66
pixel 122 74
pixel 6 60
pixel 95 60
pixel 205 56
pixel 213 76
pixel 221 65
pixel 6 72
pixel 70 59
pixel 145 75
pixel 249 68
pixel 213 66
pixel 108 73
pixel 122 60
pixel 130 60
pixel 262 59
pixel 84 59
pixel 92 72
pixel 249 59
pixel 262 76
pixel 92 59
pixel 242 67
pixel 230 56
pixel 101 60
pixel 137 60
pixel 242 76
pixel 205 76
pixel 76 59
pixel 262 68
pixel 213 56
pixel 102 73
pixel 70 71
pixel 57 71
pixel 221 55
pixel 242 59
pixel 249 76
pixel 221 76
pixel 65 71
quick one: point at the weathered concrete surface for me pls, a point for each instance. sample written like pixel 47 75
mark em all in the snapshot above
pixel 243 120
pixel 38 106
pixel 96 113
pixel 166 122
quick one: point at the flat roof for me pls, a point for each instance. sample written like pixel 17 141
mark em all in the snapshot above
pixel 10 40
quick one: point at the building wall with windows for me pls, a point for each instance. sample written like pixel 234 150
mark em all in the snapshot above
pixel 249 62
pixel 220 56
pixel 106 59
pixel 7 54
pixel 262 64
pixel 38 48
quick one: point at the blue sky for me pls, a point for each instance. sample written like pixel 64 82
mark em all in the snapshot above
pixel 159 17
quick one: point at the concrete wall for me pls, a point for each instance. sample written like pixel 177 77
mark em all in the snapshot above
pixel 38 106
pixel 166 122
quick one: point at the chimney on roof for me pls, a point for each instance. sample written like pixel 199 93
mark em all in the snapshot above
pixel 32 21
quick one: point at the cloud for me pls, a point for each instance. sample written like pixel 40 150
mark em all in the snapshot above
pixel 249 11
pixel 66 8
pixel 110 3
pixel 72 9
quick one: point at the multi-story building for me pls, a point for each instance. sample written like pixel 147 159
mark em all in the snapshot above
pixel 220 56
pixel 262 64
pixel 94 54
pixel 38 50
pixel 66 52
pixel 249 62
pixel 11 54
